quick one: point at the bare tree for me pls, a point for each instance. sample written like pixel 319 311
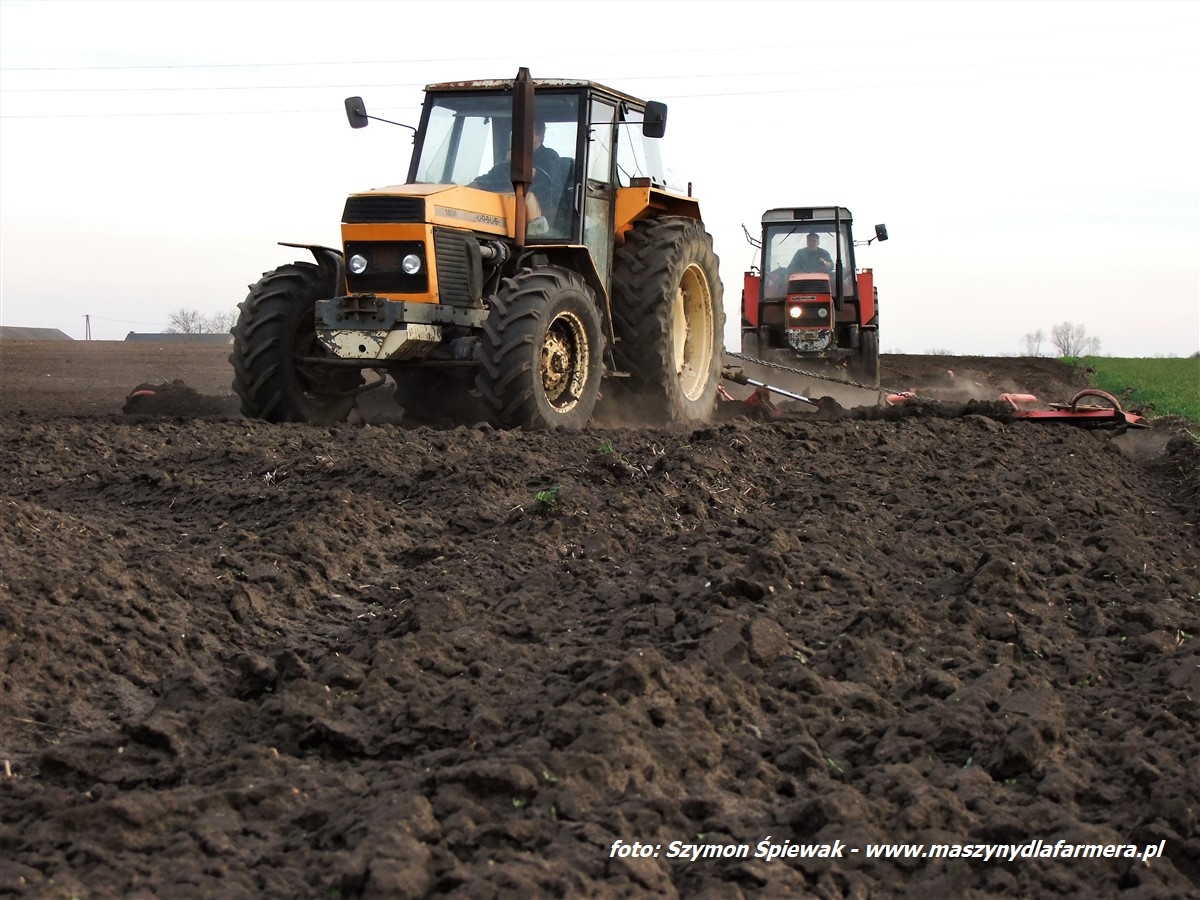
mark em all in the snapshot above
pixel 220 323
pixel 1032 342
pixel 1073 340
pixel 192 321
pixel 185 321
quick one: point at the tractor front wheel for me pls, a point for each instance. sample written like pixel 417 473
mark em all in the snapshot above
pixel 541 356
pixel 669 318
pixel 274 348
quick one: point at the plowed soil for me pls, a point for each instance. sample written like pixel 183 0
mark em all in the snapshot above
pixel 374 660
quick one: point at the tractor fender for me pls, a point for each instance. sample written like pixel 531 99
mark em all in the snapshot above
pixel 578 259
pixel 331 261
pixel 642 201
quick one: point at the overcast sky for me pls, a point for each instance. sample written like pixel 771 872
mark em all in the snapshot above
pixel 1035 163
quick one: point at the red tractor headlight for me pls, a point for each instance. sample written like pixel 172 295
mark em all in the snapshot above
pixel 805 311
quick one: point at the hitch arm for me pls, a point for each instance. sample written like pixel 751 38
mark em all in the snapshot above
pixel 737 376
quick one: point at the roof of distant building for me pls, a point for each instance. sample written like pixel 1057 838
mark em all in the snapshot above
pixel 171 337
pixel 19 333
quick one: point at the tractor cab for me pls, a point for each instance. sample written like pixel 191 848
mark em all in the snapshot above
pixel 801 249
pixel 588 141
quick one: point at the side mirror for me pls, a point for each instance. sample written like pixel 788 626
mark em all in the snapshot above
pixel 655 123
pixel 356 112
pixel 881 232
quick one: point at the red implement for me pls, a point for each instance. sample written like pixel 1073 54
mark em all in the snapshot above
pixel 1075 413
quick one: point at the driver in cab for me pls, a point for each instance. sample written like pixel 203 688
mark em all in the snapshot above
pixel 811 257
pixel 545 162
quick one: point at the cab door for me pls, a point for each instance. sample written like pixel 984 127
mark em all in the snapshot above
pixel 597 186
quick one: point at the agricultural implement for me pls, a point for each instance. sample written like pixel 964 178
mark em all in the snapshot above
pixel 1075 412
pixel 1107 413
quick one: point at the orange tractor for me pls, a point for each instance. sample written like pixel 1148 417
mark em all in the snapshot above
pixel 535 250
pixel 808 301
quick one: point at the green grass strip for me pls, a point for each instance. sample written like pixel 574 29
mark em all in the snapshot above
pixel 1155 387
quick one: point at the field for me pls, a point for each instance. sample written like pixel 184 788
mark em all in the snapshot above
pixel 371 660
pixel 1166 386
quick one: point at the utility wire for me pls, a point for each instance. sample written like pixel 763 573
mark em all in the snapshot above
pixel 825 88
pixel 834 74
pixel 122 321
pixel 574 57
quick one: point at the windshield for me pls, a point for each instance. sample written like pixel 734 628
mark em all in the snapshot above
pixel 804 247
pixel 467 136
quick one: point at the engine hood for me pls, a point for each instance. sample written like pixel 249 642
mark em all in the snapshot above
pixel 437 204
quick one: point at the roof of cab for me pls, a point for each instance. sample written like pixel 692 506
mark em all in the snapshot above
pixel 506 84
pixel 806 214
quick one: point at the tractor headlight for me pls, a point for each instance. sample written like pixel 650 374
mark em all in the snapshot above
pixel 357 264
pixel 795 311
pixel 823 313
pixel 411 264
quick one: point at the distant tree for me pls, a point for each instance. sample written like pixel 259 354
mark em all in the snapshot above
pixel 938 351
pixel 1032 343
pixel 1073 340
pixel 219 323
pixel 185 321
pixel 192 321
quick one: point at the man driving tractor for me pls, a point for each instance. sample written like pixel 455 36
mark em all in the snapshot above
pixel 811 258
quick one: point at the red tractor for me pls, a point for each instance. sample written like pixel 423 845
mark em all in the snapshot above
pixel 808 301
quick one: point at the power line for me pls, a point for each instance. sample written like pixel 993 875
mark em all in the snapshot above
pixel 824 88
pixel 755 48
pixel 174 114
pixel 832 74
pixel 122 321
pixel 182 89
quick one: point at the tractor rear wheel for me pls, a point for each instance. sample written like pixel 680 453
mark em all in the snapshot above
pixel 866 368
pixel 274 341
pixel 541 356
pixel 669 318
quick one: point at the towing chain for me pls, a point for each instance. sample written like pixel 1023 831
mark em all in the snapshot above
pixel 807 374
pixel 881 391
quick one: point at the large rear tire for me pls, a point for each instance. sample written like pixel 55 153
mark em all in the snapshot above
pixel 541 356
pixel 669 318
pixel 274 334
pixel 866 367
pixel 751 343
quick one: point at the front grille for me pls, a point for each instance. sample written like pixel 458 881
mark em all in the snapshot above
pixel 810 341
pixel 809 286
pixel 402 210
pixel 383 274
pixel 459 267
